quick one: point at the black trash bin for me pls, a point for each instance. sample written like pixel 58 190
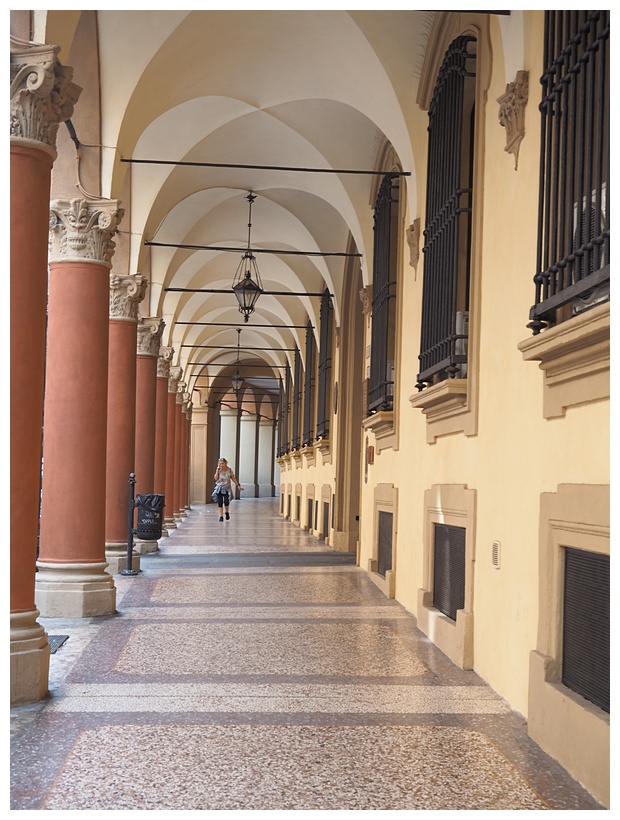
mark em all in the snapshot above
pixel 150 516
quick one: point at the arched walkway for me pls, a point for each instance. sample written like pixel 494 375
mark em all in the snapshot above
pixel 248 666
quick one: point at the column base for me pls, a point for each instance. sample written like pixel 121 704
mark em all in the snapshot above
pixel 116 556
pixel 145 547
pixel 74 590
pixel 30 658
pixel 169 524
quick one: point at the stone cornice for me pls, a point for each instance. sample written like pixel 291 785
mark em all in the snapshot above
pixel 42 94
pixel 149 336
pixel 126 293
pixel 81 230
pixel 164 361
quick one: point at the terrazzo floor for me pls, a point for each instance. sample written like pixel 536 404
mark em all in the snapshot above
pixel 248 667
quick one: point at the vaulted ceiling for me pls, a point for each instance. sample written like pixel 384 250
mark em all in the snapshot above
pixel 217 104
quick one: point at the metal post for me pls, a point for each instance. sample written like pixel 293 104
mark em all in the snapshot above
pixel 128 569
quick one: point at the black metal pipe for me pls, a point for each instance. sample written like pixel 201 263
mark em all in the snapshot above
pixel 258 167
pixel 130 529
pixel 236 324
pixel 225 249
pixel 230 290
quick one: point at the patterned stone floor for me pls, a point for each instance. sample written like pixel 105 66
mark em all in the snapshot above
pixel 250 668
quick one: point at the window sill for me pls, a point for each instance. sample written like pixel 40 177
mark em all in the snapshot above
pixel 323 446
pixel 382 425
pixel 575 359
pixel 444 405
pixel 309 455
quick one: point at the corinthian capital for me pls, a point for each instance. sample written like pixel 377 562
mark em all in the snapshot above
pixel 126 293
pixel 175 377
pixel 42 94
pixel 181 388
pixel 163 362
pixel 149 335
pixel 81 230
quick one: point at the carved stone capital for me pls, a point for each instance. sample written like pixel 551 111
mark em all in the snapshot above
pixel 164 361
pixel 150 331
pixel 413 240
pixel 512 112
pixel 366 297
pixel 126 293
pixel 42 94
pixel 181 388
pixel 81 230
pixel 186 401
pixel 176 373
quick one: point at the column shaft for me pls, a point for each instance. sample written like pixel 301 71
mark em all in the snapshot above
pixel 74 444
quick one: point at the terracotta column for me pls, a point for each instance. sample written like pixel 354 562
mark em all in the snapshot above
pixel 42 96
pixel 149 340
pixel 179 419
pixel 72 580
pixel 188 444
pixel 161 418
pixel 126 293
pixel 173 382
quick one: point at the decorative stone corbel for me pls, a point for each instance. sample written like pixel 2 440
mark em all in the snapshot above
pixel 512 112
pixel 366 297
pixel 413 240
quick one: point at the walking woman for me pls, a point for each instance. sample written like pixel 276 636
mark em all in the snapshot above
pixel 224 479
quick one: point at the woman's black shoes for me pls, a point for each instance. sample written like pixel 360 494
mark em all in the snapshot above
pixel 221 517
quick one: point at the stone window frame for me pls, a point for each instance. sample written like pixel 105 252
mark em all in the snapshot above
pixel 563 723
pixel 454 505
pixel 385 499
pixel 451 406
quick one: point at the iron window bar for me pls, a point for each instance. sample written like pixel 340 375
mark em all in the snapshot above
pixel 325 364
pixel 308 434
pixel 573 239
pixel 447 235
pixel 381 383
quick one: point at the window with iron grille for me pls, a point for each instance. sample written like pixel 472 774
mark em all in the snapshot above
pixel 573 215
pixel 295 436
pixel 381 383
pixel 449 569
pixel 286 443
pixel 308 435
pixel 384 542
pixel 325 366
pixel 585 645
pixel 325 520
pixel 281 450
pixel 447 235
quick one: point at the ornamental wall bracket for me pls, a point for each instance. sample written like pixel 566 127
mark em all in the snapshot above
pixel 366 298
pixel 126 293
pixel 42 94
pixel 81 230
pixel 150 331
pixel 512 112
pixel 413 240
